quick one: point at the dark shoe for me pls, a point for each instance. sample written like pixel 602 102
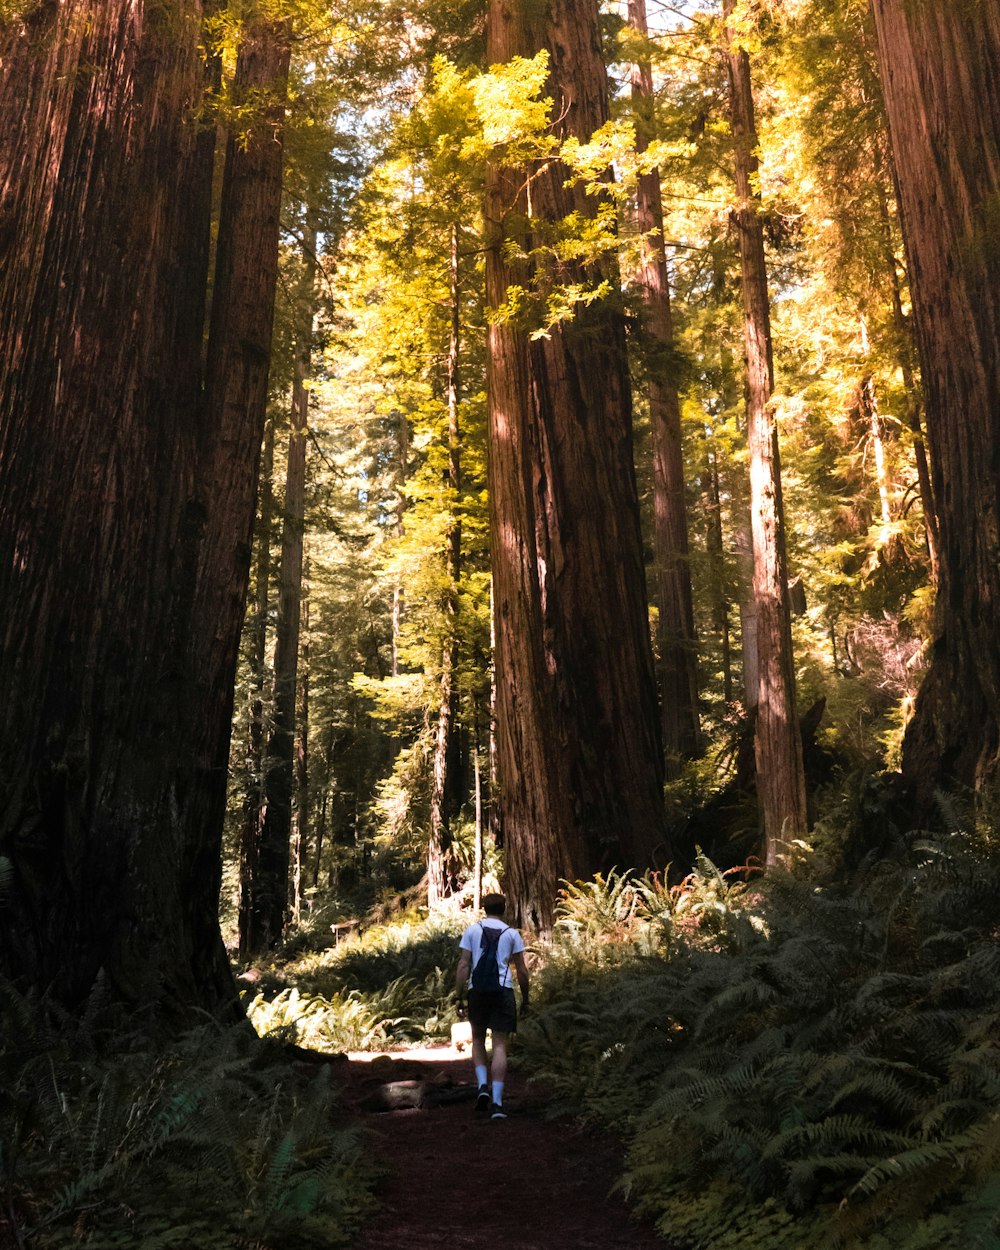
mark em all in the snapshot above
pixel 482 1100
pixel 497 1112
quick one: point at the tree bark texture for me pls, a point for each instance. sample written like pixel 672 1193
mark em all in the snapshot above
pixel 678 644
pixel 269 889
pixel 441 877
pixel 942 91
pixel 105 189
pixel 781 789
pixel 578 736
pixel 127 518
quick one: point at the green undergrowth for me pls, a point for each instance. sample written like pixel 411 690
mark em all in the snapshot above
pixel 390 985
pixel 212 1142
pixel 793 1065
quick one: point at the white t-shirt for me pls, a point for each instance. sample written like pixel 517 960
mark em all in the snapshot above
pixel 511 943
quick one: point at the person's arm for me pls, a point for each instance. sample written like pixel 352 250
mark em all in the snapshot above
pixel 462 975
pixel 521 972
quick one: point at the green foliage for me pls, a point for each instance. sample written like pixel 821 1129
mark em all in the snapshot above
pixel 393 984
pixel 200 1143
pixel 820 1069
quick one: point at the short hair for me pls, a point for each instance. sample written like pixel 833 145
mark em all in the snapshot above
pixel 494 904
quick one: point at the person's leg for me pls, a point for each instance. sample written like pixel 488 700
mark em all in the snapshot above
pixel 480 1063
pixel 498 1066
pixel 479 1057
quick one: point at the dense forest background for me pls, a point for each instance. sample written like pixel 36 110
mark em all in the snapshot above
pixel 456 445
pixel 389 596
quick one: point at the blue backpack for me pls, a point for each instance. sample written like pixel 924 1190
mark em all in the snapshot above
pixel 486 973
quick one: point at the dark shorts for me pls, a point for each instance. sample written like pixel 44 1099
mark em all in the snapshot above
pixel 495 1010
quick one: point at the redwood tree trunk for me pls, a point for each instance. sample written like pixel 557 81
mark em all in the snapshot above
pixel 105 211
pixel 440 859
pixel 269 890
pixel 677 641
pixel 579 749
pixel 781 789
pixel 942 92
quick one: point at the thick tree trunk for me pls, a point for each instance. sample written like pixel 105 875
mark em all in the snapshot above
pixel 942 92
pixel 440 867
pixel 271 884
pixel 104 220
pixel 580 756
pixel 678 645
pixel 781 789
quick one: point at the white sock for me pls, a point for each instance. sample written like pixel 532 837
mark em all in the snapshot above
pixel 481 1074
pixel 498 1092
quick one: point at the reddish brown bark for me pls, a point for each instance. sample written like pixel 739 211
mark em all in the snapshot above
pixel 678 645
pixel 104 225
pixel 127 524
pixel 942 97
pixel 781 790
pixel 579 751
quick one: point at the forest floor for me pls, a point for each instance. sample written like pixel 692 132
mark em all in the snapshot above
pixel 453 1181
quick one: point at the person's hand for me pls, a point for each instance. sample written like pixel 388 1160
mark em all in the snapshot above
pixel 525 1009
pixel 463 1009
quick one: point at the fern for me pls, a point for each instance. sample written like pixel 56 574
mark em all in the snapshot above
pixel 201 1144
pixel 796 1064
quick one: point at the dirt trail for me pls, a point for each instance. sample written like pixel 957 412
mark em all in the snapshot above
pixel 455 1182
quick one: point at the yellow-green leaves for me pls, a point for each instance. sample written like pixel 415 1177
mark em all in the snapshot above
pixel 513 114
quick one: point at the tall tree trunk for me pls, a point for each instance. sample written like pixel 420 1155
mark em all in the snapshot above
pixel 300 833
pixel 253 799
pixel 324 803
pixel 678 645
pixel 270 888
pixel 440 866
pixel 904 334
pixel 869 415
pixel 105 189
pixel 942 92
pixel 477 867
pixel 580 754
pixel 742 538
pixel 715 547
pixel 781 789
pixel 402 471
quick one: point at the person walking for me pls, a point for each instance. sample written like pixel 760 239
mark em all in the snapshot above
pixel 489 950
